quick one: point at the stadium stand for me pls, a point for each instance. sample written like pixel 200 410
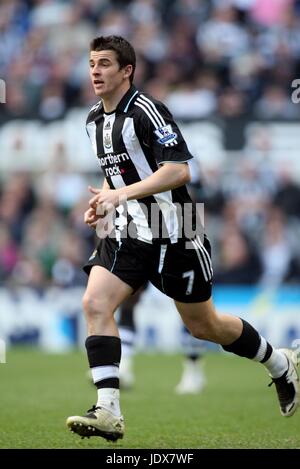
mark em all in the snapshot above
pixel 234 103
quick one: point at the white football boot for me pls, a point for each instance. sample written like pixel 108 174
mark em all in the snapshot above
pixel 287 386
pixel 98 421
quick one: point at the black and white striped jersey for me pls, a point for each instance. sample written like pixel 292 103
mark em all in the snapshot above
pixel 130 143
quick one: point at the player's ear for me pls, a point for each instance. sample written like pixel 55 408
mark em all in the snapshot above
pixel 127 71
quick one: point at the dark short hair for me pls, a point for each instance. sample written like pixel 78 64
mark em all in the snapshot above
pixel 123 49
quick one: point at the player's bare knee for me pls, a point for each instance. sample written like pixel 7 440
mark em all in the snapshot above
pixel 198 332
pixel 95 307
pixel 205 330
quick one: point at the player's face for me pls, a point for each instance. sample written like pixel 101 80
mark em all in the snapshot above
pixel 105 73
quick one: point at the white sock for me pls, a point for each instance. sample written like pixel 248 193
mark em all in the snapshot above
pixel 109 399
pixel 277 364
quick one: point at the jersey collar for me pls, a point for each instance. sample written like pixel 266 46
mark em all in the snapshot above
pixel 125 102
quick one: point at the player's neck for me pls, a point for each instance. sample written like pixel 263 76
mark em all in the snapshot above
pixel 111 102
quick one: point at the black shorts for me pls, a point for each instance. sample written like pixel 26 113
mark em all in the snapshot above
pixel 182 270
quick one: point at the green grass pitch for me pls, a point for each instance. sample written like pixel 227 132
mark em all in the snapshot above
pixel 236 409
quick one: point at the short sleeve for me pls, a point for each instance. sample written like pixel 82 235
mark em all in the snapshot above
pixel 159 132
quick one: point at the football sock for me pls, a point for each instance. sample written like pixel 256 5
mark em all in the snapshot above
pixel 109 398
pixel 277 364
pixel 255 347
pixel 104 354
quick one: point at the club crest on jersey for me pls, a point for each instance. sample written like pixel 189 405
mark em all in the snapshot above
pixel 165 134
pixel 107 141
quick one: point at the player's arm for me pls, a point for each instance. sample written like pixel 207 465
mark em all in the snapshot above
pixel 167 177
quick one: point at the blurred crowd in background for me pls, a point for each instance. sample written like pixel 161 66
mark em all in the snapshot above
pixel 225 61
pixel 202 57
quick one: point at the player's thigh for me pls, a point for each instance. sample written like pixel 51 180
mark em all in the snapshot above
pixel 105 290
